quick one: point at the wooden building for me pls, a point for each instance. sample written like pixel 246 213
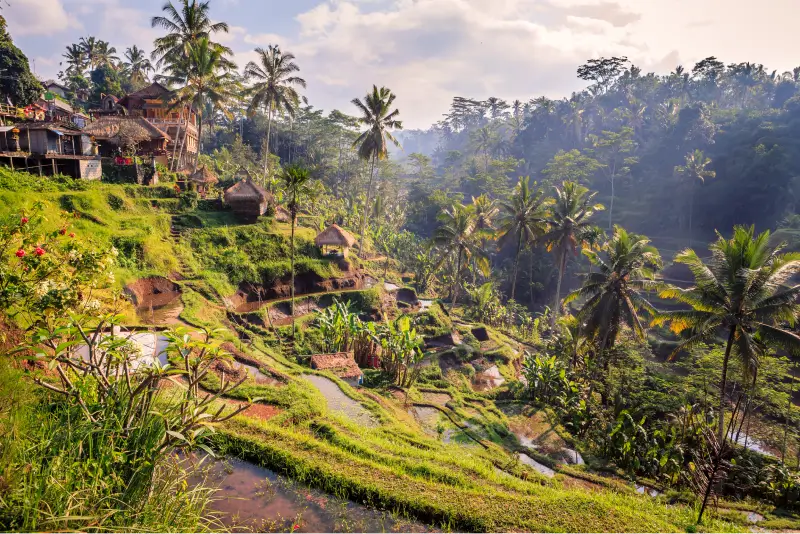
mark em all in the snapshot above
pixel 203 179
pixel 248 200
pixel 119 134
pixel 340 364
pixel 337 237
pixel 49 148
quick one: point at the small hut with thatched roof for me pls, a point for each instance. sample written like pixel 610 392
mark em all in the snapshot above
pixel 335 236
pixel 247 199
pixel 203 179
pixel 282 214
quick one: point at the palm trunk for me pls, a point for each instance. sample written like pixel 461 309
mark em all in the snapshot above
pixel 199 140
pixel 266 156
pixel 723 383
pixel 455 281
pixel 173 164
pixel 361 250
pixel 291 244
pixel 185 138
pixel 691 211
pixel 530 280
pixel 516 267
pixel 562 261
pixel 611 207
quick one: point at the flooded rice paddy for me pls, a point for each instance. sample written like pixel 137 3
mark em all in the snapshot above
pixel 339 402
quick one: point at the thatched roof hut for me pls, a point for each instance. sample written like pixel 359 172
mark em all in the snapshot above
pixel 203 176
pixel 248 199
pixel 335 236
pixel 282 214
pixel 129 133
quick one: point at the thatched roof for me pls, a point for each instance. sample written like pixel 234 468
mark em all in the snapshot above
pixel 154 90
pixel 204 176
pixel 335 236
pixel 114 126
pixel 282 214
pixel 62 127
pixel 341 364
pixel 246 190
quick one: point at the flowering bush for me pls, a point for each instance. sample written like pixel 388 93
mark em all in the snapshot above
pixel 47 273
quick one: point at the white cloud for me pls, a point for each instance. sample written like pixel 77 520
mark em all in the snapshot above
pixel 38 17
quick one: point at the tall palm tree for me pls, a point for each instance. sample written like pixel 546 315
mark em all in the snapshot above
pixel 89 46
pixel 377 115
pixel 694 170
pixel 569 225
pixel 137 65
pixel 185 26
pixel 295 183
pixel 458 236
pixel 485 210
pixel 523 220
pixel 274 87
pixel 76 59
pixel 105 55
pixel 615 293
pixel 740 294
pixel 204 79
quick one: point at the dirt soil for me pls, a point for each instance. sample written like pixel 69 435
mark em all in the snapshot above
pixel 157 300
pixel 436 398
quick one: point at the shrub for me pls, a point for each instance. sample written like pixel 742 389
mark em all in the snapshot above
pixel 115 202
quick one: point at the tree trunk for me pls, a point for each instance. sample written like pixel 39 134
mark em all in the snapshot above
pixel 723 383
pixel 174 163
pixel 291 244
pixel 611 207
pixel 530 281
pixel 185 138
pixel 516 267
pixel 455 280
pixel 562 261
pixel 691 212
pixel 199 140
pixel 361 250
pixel 266 156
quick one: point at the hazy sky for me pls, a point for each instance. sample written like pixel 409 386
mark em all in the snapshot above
pixel 427 51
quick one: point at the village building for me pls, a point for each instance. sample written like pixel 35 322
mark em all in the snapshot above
pixel 340 364
pixel 203 179
pixel 248 200
pixel 51 86
pixel 282 214
pixel 118 135
pixel 336 237
pixel 49 148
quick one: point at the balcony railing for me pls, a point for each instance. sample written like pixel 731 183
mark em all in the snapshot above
pixel 172 122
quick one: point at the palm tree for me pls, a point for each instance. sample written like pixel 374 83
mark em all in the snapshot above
pixel 738 293
pixel 378 117
pixel 569 226
pixel 615 293
pixel 184 28
pixel 105 55
pixel 485 210
pixel 204 79
pixel 695 171
pixel 523 220
pixel 76 60
pixel 273 89
pixel 137 65
pixel 458 236
pixel 295 183
pixel 90 47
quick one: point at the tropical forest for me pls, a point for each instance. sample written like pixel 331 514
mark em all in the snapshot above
pixel 225 309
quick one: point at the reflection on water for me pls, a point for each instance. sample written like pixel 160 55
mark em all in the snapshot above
pixel 488 379
pixel 543 469
pixel 388 286
pixel 338 401
pixel 160 308
pixel 650 491
pixel 256 375
pixel 252 498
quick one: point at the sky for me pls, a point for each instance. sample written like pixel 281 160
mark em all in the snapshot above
pixel 428 51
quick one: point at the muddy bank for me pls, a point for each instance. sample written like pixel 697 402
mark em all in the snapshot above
pixel 157 300
pixel 251 297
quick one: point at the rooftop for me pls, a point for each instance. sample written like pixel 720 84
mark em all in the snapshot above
pixel 341 364
pixel 246 190
pixel 108 127
pixel 336 236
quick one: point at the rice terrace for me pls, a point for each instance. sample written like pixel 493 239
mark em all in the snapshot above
pixel 262 269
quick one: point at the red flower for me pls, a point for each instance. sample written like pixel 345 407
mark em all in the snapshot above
pixel 295 527
pixel 72 234
pixel 24 220
pixel 20 253
pixel 39 251
pixel 63 231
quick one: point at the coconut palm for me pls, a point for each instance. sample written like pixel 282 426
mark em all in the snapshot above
pixel 105 55
pixel 274 87
pixel 203 79
pixel 137 65
pixel 377 115
pixel 89 46
pixel 185 26
pixel 295 183
pixel 523 220
pixel 740 294
pixel 569 225
pixel 76 60
pixel 615 294
pixel 459 239
pixel 695 171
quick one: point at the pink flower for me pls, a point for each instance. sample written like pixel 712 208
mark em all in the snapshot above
pixel 39 251
pixel 24 220
pixel 20 253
